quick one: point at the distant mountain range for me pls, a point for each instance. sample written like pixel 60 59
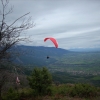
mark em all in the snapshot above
pixel 85 49
pixel 37 56
pixel 66 66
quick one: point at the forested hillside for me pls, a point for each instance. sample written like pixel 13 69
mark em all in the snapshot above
pixel 73 73
pixel 60 59
pixel 65 66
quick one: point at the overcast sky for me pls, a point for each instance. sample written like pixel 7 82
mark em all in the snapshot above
pixel 74 23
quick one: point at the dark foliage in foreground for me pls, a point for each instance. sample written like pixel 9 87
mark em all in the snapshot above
pixel 40 81
pixel 61 91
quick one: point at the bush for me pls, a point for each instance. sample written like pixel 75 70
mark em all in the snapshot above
pixel 40 81
pixel 11 95
pixel 26 92
pixel 61 89
pixel 83 90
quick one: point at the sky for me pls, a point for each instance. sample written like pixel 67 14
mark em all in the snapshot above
pixel 73 23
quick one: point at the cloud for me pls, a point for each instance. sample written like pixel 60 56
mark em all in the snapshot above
pixel 73 23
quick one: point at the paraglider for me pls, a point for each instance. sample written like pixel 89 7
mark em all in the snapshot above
pixel 54 42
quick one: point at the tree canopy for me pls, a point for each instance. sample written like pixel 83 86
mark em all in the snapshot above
pixel 40 81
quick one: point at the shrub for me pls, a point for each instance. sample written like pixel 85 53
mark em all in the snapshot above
pixel 83 90
pixel 11 95
pixel 40 81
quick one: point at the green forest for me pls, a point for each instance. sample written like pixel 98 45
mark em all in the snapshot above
pixel 66 75
pixel 42 84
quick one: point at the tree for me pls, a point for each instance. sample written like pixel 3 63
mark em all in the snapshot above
pixel 3 79
pixel 10 34
pixel 40 81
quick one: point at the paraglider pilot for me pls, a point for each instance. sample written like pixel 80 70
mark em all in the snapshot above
pixel 53 40
pixel 47 57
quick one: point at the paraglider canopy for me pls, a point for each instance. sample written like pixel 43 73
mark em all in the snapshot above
pixel 53 40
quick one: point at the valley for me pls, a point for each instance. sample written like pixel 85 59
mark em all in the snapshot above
pixel 65 66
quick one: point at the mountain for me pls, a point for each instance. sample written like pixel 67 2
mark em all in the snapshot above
pixel 60 59
pixel 37 55
pixel 66 66
pixel 85 49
